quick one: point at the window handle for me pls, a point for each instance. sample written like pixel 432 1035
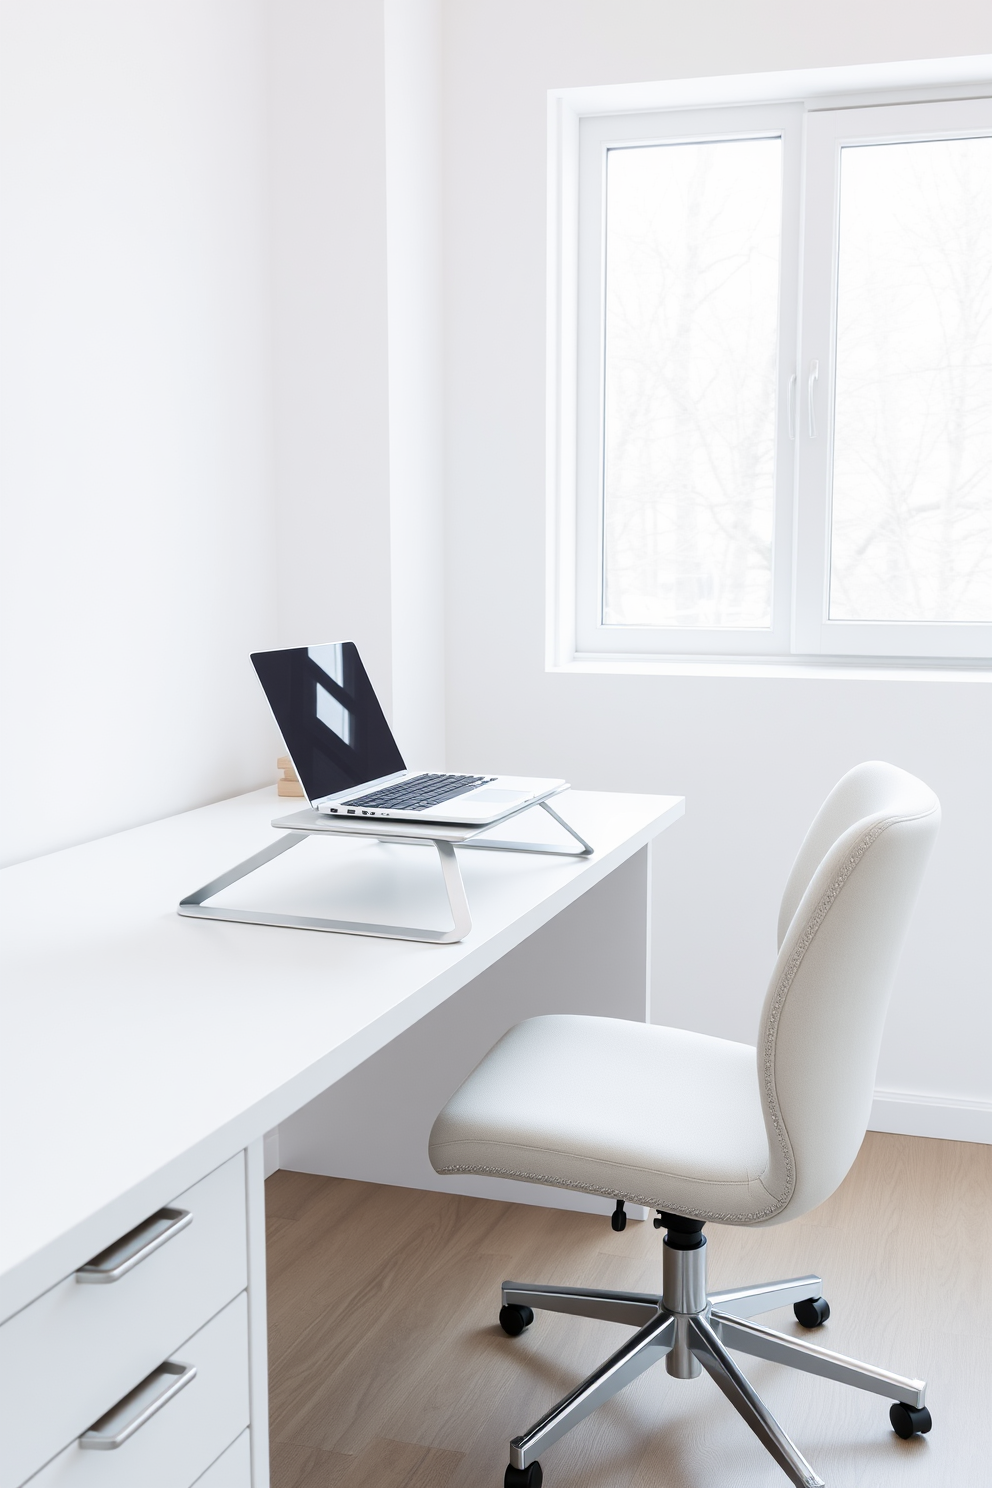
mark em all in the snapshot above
pixel 792 406
pixel 814 377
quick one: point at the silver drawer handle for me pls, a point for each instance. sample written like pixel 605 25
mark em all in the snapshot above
pixel 131 1413
pixel 134 1247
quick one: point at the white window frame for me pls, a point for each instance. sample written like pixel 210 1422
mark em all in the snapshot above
pixel 828 131
pixel 597 138
pixel 839 106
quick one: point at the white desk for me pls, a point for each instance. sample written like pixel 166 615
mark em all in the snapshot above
pixel 141 1052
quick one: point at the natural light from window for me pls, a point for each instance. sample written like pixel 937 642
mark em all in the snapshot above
pixel 693 236
pixel 911 517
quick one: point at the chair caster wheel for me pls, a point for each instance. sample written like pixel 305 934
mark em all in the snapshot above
pixel 812 1312
pixel 523 1477
pixel 907 1422
pixel 513 1320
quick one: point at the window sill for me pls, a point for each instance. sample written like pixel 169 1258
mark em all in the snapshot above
pixel 789 668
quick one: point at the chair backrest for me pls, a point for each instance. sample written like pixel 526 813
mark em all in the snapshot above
pixel 845 912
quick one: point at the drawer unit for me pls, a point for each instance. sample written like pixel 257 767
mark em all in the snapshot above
pixel 179 1441
pixel 72 1353
pixel 233 1469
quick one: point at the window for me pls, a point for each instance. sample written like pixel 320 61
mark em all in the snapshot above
pixel 782 410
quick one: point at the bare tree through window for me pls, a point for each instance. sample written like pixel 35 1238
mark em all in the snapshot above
pixel 911 518
pixel 693 234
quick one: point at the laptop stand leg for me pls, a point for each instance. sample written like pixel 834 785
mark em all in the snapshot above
pixel 194 904
pixel 546 849
pixel 461 917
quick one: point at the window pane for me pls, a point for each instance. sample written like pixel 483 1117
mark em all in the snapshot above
pixel 912 487
pixel 692 284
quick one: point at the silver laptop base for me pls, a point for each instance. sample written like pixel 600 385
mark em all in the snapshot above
pixel 311 823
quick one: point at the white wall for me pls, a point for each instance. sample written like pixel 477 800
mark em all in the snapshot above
pixel 416 374
pixel 331 379
pixel 753 757
pixel 134 397
pixel 356 108
pixel 221 388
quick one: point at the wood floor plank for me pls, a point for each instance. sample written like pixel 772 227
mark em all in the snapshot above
pixel 388 1366
pixel 387 1463
pixel 294 1466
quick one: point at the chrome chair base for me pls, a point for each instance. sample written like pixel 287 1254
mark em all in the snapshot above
pixel 693 1330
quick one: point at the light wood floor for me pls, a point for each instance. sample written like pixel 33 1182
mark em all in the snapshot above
pixel 388 1367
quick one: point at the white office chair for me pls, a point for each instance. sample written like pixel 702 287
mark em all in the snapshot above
pixel 704 1129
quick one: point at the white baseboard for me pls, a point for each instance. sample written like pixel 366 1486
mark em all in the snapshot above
pixel 931 1116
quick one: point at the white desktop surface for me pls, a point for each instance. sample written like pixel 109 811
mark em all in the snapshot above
pixel 140 1049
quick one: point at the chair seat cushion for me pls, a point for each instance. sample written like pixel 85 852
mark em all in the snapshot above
pixel 652 1115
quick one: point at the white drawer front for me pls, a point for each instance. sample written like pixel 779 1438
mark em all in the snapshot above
pixel 233 1470
pixel 70 1355
pixel 179 1443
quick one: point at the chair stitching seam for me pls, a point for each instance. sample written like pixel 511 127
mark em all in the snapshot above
pixel 590 1188
pixel 605 1162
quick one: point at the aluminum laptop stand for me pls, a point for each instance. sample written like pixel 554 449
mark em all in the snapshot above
pixel 446 838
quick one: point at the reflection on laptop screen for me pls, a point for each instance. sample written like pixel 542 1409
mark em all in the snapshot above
pixel 328 715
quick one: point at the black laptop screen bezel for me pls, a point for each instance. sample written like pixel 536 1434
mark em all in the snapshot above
pixel 302 682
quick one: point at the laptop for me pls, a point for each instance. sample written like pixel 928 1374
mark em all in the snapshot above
pixel 345 755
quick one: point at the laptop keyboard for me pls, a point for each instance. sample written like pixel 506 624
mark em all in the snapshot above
pixel 420 791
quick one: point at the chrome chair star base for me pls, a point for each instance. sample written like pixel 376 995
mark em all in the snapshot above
pixel 693 1330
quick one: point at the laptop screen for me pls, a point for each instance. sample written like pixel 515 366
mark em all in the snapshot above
pixel 329 716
